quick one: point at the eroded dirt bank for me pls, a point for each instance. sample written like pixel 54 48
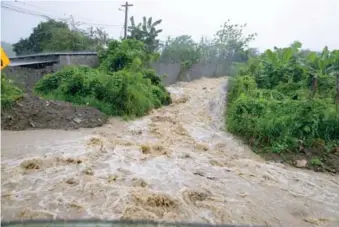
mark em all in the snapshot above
pixel 175 164
pixel 34 112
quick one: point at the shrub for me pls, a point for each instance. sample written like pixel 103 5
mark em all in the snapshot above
pixel 9 92
pixel 122 85
pixel 120 93
pixel 272 103
pixel 121 54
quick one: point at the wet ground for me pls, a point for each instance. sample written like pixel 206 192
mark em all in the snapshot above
pixel 177 164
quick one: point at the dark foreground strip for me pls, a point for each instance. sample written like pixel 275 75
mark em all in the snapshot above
pixel 113 223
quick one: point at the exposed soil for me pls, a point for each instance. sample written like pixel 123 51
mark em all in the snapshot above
pixel 35 112
pixel 319 160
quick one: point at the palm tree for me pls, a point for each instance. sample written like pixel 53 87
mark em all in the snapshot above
pixel 146 32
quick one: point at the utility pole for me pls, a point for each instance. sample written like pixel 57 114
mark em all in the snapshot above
pixel 126 17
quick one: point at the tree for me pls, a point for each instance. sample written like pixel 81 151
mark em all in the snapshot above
pixel 97 38
pixel 180 49
pixel 40 37
pixel 58 36
pixel 231 42
pixel 146 32
pixel 63 39
pixel 121 54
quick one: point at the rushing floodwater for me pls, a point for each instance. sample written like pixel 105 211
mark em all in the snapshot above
pixel 175 164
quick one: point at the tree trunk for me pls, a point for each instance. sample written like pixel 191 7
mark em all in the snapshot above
pixel 314 86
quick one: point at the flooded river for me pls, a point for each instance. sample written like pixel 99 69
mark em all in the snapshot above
pixel 176 164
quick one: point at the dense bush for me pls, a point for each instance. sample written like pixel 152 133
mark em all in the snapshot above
pixel 9 92
pixel 121 54
pixel 123 84
pixel 282 99
pixel 120 93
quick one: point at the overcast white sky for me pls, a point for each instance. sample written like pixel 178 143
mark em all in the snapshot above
pixel 278 22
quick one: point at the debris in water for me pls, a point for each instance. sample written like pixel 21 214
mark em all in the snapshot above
pixel 112 178
pixel 155 200
pixel 31 164
pixel 73 160
pixel 136 132
pixel 95 141
pixel 156 149
pixel 145 149
pixel 72 181
pixel 88 171
pixel 203 175
pixel 186 155
pixel 75 205
pixel 192 196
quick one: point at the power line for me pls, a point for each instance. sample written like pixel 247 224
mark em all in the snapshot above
pixel 25 11
pixel 34 6
pixel 104 25
pixel 39 14
pixel 92 22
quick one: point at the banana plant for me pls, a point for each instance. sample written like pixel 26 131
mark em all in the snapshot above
pixel 333 70
pixel 279 65
pixel 146 32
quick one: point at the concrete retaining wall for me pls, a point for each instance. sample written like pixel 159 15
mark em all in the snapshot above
pixel 172 70
pixel 27 76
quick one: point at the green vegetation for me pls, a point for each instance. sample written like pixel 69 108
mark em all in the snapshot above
pixel 146 32
pixel 9 92
pixel 284 101
pixel 59 36
pixel 123 84
pixel 229 45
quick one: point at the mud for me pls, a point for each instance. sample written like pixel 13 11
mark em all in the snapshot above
pixel 35 112
pixel 176 164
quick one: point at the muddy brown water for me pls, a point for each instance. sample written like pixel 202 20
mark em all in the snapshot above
pixel 176 164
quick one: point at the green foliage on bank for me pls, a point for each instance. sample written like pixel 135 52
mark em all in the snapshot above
pixel 285 100
pixel 123 85
pixel 9 92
